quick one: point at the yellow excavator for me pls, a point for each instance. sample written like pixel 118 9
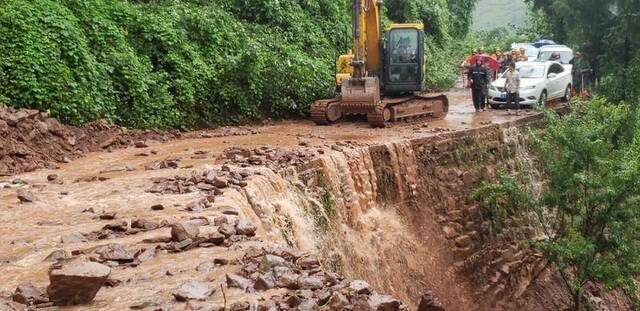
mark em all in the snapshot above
pixel 384 76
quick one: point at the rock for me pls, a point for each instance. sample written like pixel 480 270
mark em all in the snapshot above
pixel 193 290
pixel 308 305
pixel 25 196
pixel 122 226
pixel 27 294
pixel 6 305
pixel 220 182
pixel 108 216
pixel 237 281
pixel 463 241
pixel 157 207
pixel 338 301
pixel 361 303
pixel 269 262
pixel 146 254
pixel 308 262
pixel 384 302
pixel 114 252
pixel 179 246
pixel 140 144
pixel 57 255
pixel 184 230
pixel 54 179
pixel 245 227
pixel 73 238
pixel 240 306
pixel 76 282
pixel 227 230
pixel 360 287
pixel 215 238
pixel 206 266
pixel 429 302
pixel 264 282
pixel 144 225
pixel 311 282
pixel 221 261
pixel 287 280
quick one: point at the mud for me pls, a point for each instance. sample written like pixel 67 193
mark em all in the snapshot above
pixel 371 204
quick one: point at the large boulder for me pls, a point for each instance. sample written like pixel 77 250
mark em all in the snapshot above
pixel 76 282
pixel 183 230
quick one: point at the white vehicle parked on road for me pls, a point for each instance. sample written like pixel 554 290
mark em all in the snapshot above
pixel 539 82
pixel 546 52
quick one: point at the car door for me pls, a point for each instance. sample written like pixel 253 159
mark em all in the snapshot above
pixel 554 81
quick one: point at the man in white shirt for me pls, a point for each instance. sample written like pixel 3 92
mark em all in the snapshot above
pixel 512 86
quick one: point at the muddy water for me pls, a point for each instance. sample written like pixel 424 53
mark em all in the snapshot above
pixel 361 232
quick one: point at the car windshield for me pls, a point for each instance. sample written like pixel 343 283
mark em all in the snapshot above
pixel 531 71
pixel 565 57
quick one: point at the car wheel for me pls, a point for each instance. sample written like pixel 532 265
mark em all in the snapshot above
pixel 543 99
pixel 567 94
pixel 495 106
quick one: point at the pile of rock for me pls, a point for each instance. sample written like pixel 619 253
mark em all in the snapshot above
pixel 275 158
pixel 308 286
pixel 211 182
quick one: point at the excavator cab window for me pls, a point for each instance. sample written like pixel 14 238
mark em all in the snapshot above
pixel 404 59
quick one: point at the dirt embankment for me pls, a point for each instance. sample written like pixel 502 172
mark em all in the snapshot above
pixel 32 140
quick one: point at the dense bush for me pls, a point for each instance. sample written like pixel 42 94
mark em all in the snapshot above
pixel 189 63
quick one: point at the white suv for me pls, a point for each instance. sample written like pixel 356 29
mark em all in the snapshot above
pixel 539 82
pixel 546 52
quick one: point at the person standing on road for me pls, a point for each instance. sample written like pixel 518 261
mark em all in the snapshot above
pixel 478 78
pixel 512 86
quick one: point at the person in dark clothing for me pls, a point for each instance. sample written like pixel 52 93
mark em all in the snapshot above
pixel 478 78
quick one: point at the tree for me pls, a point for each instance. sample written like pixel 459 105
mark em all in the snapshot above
pixel 589 206
pixel 592 200
pixel 606 32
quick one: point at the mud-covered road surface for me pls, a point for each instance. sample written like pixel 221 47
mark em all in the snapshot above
pixel 77 200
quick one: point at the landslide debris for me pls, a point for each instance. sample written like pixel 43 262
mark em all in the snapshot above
pixel 30 139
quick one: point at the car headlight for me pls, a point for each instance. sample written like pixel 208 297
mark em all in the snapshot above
pixel 493 88
pixel 529 87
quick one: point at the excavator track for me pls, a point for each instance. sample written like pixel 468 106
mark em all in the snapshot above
pixel 415 106
pixel 326 111
pixel 376 118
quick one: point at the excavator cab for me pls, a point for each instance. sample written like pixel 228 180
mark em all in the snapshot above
pixel 403 67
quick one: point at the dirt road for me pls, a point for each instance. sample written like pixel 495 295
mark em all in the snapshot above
pixel 75 203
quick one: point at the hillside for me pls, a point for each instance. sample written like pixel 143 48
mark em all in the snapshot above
pixel 490 14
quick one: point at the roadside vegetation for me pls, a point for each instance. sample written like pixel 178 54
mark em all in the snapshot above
pixel 590 203
pixel 193 63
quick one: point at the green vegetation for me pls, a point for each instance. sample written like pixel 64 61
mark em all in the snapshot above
pixel 191 63
pixel 592 160
pixel 589 207
pixel 502 199
pixel 605 32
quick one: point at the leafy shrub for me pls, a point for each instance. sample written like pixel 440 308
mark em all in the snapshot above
pixel 189 63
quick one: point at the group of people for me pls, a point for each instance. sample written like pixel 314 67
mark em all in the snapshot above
pixel 479 78
pixel 504 58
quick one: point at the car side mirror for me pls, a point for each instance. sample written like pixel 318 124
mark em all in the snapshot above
pixel 552 75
